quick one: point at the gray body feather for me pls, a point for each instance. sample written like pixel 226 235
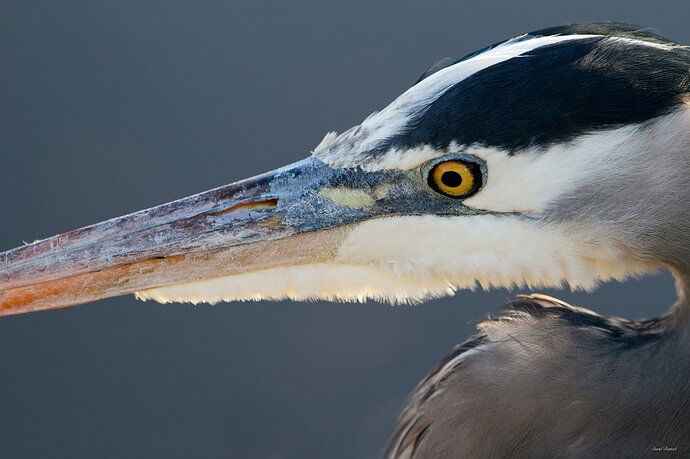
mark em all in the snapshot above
pixel 545 379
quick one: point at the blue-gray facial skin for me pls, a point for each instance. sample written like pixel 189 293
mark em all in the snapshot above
pixel 313 196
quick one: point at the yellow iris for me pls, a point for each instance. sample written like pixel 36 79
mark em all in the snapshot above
pixel 453 178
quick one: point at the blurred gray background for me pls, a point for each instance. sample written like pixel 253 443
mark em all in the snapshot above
pixel 109 107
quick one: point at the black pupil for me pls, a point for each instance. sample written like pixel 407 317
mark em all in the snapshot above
pixel 451 179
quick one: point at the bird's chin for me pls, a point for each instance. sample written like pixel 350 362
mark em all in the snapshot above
pixel 307 282
pixel 408 260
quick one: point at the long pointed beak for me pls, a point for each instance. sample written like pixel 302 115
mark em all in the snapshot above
pixel 297 214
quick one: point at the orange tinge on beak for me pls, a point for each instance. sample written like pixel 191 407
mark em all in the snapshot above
pixel 35 293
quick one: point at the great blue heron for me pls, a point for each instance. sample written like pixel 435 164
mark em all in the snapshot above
pixel 559 156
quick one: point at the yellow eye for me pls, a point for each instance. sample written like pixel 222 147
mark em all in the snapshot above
pixel 456 179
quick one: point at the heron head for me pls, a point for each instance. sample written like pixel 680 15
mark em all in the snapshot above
pixel 560 156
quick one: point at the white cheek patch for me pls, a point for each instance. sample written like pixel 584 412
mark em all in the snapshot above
pixel 411 259
pixel 528 181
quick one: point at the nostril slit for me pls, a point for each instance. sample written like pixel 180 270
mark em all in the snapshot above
pixel 247 206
